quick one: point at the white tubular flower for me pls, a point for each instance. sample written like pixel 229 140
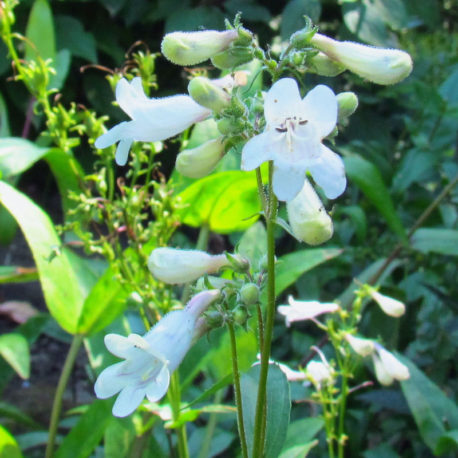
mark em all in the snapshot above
pixel 390 306
pixel 319 372
pixel 364 347
pixel 388 368
pixel 174 266
pixel 379 65
pixel 308 218
pixel 152 119
pixel 151 359
pixel 189 48
pixel 292 139
pixel 291 374
pixel 304 310
pixel 200 161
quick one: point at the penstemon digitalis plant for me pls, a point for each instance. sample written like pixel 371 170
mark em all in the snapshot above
pixel 280 134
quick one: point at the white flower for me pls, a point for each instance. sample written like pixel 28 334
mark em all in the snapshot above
pixel 176 266
pixel 304 310
pixel 152 119
pixel 389 305
pixel 291 374
pixel 292 139
pixel 387 367
pixel 151 359
pixel 308 218
pixel 319 372
pixel 364 347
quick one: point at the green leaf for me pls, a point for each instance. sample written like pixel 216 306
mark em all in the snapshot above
pixel 358 218
pixel 220 384
pixel 291 266
pixel 447 443
pixel 4 123
pixel 190 19
pixel 16 274
pixel 18 154
pixel 293 16
pixel 15 349
pixel 253 243
pixel 40 31
pixel 62 66
pixel 367 177
pixel 299 451
pixel 278 407
pixel 249 9
pixel 436 240
pixel 88 432
pixel 12 412
pixel 58 280
pixel 432 410
pixel 226 202
pixel 8 445
pixel 301 432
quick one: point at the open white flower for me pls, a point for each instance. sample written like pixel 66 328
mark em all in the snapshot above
pixel 387 367
pixel 152 119
pixel 304 310
pixel 292 139
pixel 174 266
pixel 319 372
pixel 364 347
pixel 151 359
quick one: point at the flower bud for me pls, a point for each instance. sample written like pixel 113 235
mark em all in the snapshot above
pixel 174 266
pixel 232 57
pixel 390 306
pixel 364 347
pixel 320 373
pixel 301 38
pixel 214 319
pixel 249 294
pixel 388 368
pixel 308 218
pixel 189 48
pixel 379 65
pixel 200 161
pixel 348 103
pixel 240 316
pixel 322 65
pixel 207 94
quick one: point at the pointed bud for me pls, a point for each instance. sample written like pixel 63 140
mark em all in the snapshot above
pixel 305 310
pixel 232 57
pixel 348 103
pixel 319 372
pixel 207 94
pixel 390 306
pixel 249 294
pixel 174 266
pixel 388 368
pixel 308 218
pixel 189 48
pixel 200 161
pixel 380 372
pixel 364 347
pixel 379 65
pixel 322 65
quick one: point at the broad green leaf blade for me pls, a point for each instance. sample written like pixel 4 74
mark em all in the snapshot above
pixel 106 300
pixel 212 390
pixel 19 417
pixel 226 202
pixel 4 123
pixel 58 280
pixel 434 413
pixel 16 274
pixel 62 66
pixel 367 177
pixel 17 155
pixel 40 32
pixel 293 15
pixel 118 437
pixel 299 451
pixel 301 432
pixel 278 407
pixel 88 432
pixel 436 240
pixel 448 443
pixel 8 445
pixel 15 349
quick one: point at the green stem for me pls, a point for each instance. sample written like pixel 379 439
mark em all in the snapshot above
pixel 210 429
pixel 237 390
pixel 63 380
pixel 260 417
pixel 175 403
pixel 342 407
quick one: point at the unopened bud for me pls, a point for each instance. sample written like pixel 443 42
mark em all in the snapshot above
pixel 390 306
pixel 308 218
pixel 238 263
pixel 322 65
pixel 249 294
pixel 388 368
pixel 348 103
pixel 240 316
pixel 232 57
pixel 189 48
pixel 214 319
pixel 207 94
pixel 200 161
pixel 301 38
pixel 364 347
pixel 379 65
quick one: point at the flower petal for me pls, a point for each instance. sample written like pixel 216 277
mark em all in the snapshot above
pixel 256 151
pixel 118 345
pixel 128 400
pixel 109 382
pixel 129 95
pixel 320 108
pixel 113 136
pixel 122 152
pixel 157 389
pixel 328 171
pixel 288 180
pixel 283 100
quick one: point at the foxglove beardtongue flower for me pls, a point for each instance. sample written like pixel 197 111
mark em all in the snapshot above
pixel 292 139
pixel 176 266
pixel 319 372
pixel 308 218
pixel 151 359
pixel 387 367
pixel 379 65
pixel 152 119
pixel 390 306
pixel 364 347
pixel 304 310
